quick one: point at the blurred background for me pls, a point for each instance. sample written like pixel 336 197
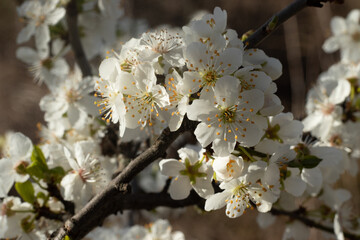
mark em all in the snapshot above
pixel 297 44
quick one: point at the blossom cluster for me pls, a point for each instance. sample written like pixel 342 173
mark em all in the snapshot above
pixel 333 112
pixel 252 152
pixel 158 230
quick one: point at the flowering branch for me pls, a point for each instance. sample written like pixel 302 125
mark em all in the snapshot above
pixel 74 38
pixel 276 20
pixel 149 201
pixel 102 205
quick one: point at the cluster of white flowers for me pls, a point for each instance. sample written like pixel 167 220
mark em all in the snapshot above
pixel 203 73
pixel 158 230
pixel 334 114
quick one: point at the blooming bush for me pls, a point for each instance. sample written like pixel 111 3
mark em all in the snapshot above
pixel 150 91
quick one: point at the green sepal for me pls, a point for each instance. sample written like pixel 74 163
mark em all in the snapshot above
pixel 308 161
pixel 27 225
pixel 26 191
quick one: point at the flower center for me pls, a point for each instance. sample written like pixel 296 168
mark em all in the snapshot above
pixel 20 167
pixel 72 96
pixel 126 66
pixel 356 37
pixel 6 209
pixel 40 20
pixel 240 190
pixel 211 22
pixel 327 109
pixel 147 98
pixel 336 140
pixel 271 133
pixel 210 77
pixel 92 171
pixel 192 171
pixel 228 114
pixel 47 63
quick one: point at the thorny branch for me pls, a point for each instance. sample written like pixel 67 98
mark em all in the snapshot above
pixel 277 19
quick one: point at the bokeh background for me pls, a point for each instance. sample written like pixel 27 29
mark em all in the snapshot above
pixel 297 44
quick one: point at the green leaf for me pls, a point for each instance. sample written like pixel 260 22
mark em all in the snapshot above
pixel 272 24
pixel 37 155
pixel 56 174
pixel 67 237
pixel 26 191
pixel 310 161
pixel 38 167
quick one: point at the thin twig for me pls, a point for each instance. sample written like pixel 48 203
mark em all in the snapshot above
pixel 276 20
pixel 74 38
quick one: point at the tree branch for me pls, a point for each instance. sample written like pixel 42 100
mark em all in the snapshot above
pixel 74 38
pixel 309 222
pixel 102 205
pixel 276 20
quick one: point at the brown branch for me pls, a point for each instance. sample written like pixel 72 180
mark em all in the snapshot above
pixel 55 192
pixel 47 213
pixel 299 215
pixel 74 38
pixel 276 20
pixel 102 205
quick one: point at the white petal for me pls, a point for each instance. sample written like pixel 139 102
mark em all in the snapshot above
pixel 180 188
pixel 265 220
pixel 204 134
pixel 55 16
pixel 72 185
pixel 42 36
pixel 312 121
pixel 341 91
pixel 27 55
pixel 7 176
pixel 217 201
pixel 203 187
pixel 189 153
pixel 107 67
pixel 295 186
pixel 199 108
pixel 20 146
pixel 338 25
pixel 26 33
pixel 331 45
pixel 171 167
